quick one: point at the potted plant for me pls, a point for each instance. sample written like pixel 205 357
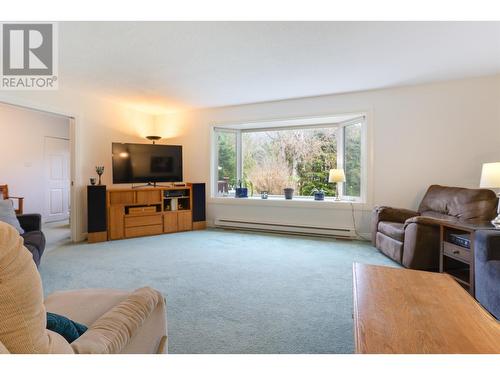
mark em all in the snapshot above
pixel 319 194
pixel 241 192
pixel 288 191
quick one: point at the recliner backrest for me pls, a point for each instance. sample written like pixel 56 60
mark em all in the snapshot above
pixel 460 203
pixel 22 312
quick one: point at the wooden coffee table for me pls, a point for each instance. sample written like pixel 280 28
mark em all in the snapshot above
pixel 416 312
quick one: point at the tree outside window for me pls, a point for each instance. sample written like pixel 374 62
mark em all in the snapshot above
pixel 226 157
pixel 298 159
pixel 352 160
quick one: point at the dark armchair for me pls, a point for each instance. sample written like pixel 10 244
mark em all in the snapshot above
pixel 487 269
pixel 34 239
pixel 411 238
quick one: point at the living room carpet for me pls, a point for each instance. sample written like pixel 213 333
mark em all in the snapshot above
pixel 230 291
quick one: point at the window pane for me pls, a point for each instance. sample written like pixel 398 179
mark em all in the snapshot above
pixel 299 158
pixel 352 160
pixel 226 161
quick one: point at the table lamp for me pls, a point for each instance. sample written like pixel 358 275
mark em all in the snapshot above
pixel 338 176
pixel 490 178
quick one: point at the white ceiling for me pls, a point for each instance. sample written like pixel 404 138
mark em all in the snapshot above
pixel 168 66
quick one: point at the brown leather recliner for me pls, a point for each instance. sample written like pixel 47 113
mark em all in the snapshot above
pixel 412 238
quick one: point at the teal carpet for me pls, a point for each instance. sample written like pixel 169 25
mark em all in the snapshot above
pixel 230 292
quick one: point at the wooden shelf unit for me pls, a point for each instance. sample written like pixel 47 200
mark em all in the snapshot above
pixel 457 261
pixel 148 211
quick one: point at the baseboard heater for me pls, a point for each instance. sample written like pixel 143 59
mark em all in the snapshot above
pixel 299 229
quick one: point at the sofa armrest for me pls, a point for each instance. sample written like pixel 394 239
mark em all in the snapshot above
pixel 30 222
pixel 487 245
pixel 111 333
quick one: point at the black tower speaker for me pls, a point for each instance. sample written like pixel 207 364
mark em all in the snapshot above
pixel 96 212
pixel 199 206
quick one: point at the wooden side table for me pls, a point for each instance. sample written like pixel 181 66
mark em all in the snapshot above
pixel 456 259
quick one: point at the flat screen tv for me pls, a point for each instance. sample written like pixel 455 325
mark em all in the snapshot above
pixel 143 163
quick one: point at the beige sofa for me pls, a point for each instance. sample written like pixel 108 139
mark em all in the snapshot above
pixel 118 321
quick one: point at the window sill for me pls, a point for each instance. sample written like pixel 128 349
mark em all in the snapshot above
pixel 328 203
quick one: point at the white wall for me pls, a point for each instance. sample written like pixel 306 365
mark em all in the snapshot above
pixel 420 135
pixel 99 122
pixel 436 133
pixel 22 165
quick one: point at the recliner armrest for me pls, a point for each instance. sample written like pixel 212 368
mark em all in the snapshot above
pixel 30 222
pixel 424 220
pixel 385 213
pixel 111 333
pixel 399 215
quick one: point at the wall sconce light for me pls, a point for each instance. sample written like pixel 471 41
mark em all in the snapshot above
pixel 153 138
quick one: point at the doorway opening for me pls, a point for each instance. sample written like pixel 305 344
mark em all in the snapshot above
pixel 37 164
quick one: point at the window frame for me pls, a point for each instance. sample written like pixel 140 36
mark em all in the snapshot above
pixel 340 138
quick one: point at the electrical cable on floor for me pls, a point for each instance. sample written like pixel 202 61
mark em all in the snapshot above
pixel 354 224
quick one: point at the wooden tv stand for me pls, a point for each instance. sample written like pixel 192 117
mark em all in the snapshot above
pixel 149 211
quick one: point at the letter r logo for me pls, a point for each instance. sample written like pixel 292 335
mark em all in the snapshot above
pixel 27 49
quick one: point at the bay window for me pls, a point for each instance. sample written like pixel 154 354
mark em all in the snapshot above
pixel 287 155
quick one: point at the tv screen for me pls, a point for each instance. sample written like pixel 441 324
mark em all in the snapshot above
pixel 134 163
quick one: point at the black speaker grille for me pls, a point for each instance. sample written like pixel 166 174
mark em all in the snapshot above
pixel 96 203
pixel 199 207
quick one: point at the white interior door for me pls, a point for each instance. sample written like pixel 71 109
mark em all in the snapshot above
pixel 57 167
